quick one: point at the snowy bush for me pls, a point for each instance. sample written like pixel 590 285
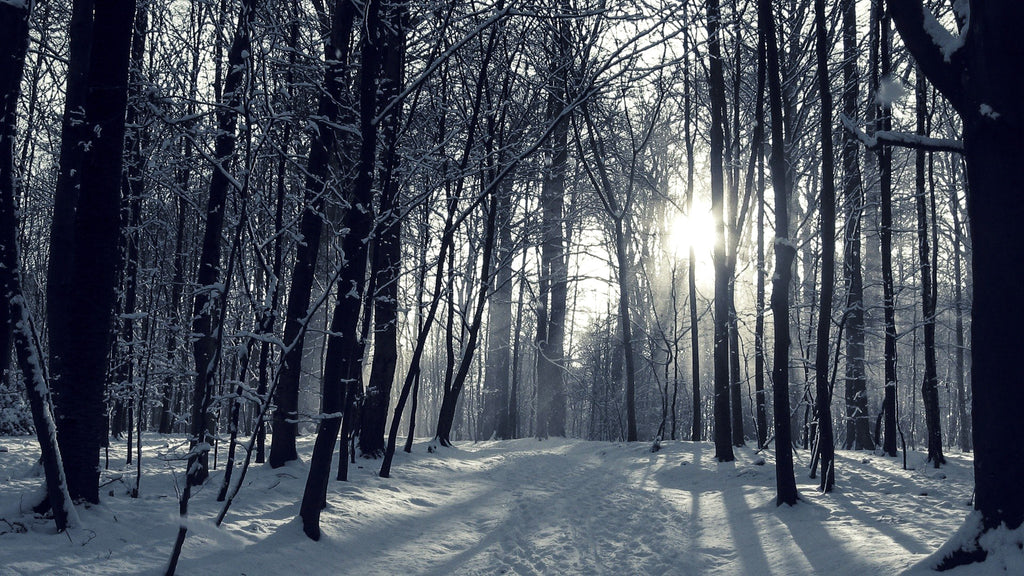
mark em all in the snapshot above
pixel 15 418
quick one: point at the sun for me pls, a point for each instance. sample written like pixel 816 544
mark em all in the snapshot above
pixel 697 231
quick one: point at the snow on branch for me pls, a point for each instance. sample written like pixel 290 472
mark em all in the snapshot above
pixel 902 139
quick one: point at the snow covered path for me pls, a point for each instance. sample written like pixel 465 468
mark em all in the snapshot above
pixel 517 507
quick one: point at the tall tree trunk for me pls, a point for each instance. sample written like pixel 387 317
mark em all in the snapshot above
pixel 59 283
pixel 132 187
pixel 930 385
pixel 827 215
pixel 495 419
pixel 343 366
pixel 96 232
pixel 387 265
pixel 975 78
pixel 758 143
pixel 858 423
pixel 318 184
pixel 210 296
pixel 553 274
pixel 963 434
pixel 890 401
pixel 723 431
pixel 14 38
pixel 785 251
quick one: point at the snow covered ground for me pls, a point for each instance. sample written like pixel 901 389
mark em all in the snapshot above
pixel 507 507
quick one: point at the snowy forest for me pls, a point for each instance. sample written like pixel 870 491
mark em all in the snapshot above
pixel 508 286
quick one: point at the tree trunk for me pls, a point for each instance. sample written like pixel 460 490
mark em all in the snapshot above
pixel 827 216
pixel 59 281
pixel 929 387
pixel 318 184
pixel 759 359
pixel 723 431
pixel 697 425
pixel 342 371
pixel 553 275
pixel 96 232
pixel 131 214
pixel 210 296
pixel 858 423
pixel 388 248
pixel 14 38
pixel 890 401
pixel 785 251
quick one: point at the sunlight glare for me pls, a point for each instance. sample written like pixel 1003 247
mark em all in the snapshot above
pixel 698 232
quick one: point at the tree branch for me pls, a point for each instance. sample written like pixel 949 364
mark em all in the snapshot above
pixel 902 139
pixel 939 53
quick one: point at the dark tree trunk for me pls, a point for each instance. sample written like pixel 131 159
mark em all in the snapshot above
pixel 74 134
pixel 827 214
pixel 930 385
pixel 785 252
pixel 96 232
pixel 553 275
pixel 387 253
pixel 319 183
pixel 759 359
pixel 14 38
pixel 131 214
pixel 723 431
pixel 342 370
pixel 990 100
pixel 858 423
pixel 995 152
pixel 209 296
pixel 889 402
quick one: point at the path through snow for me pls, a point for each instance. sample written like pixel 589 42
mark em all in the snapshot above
pixel 516 507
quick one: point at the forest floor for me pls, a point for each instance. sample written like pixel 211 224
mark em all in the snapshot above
pixel 504 507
